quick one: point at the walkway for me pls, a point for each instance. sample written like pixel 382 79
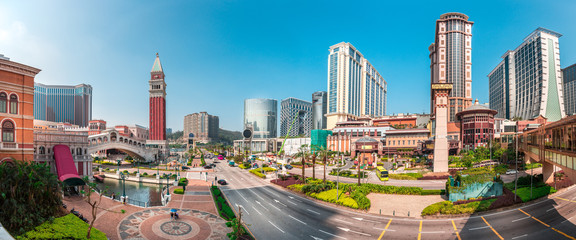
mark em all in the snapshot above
pixel 198 217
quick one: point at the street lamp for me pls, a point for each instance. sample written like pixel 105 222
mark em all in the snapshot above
pixel 516 160
pixel 167 176
pixel 123 177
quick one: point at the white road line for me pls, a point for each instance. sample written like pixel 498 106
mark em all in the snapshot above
pixel 273 193
pixel 567 220
pixel 340 220
pixel 275 207
pixel 255 193
pixel 291 202
pixel 352 231
pixel 294 198
pixel 312 211
pixel 316 238
pixel 262 205
pixel 276 227
pixel 297 220
pixel 525 235
pixel 240 206
pixel 280 203
pixel 550 209
pixel 519 219
pixel 478 228
pixel 241 195
pixel 434 232
pixel 331 234
pixel 257 210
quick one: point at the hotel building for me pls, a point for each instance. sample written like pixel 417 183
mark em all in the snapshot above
pixel 296 117
pixel 451 61
pixel 355 88
pixel 569 80
pixel 528 81
pixel 319 109
pixel 60 103
pixel 261 115
pixel 204 126
pixel 16 110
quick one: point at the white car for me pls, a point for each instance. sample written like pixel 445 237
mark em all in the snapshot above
pixel 511 171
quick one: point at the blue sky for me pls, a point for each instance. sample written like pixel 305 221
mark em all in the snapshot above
pixel 217 53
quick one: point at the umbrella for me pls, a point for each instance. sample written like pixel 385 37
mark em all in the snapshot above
pixel 173 210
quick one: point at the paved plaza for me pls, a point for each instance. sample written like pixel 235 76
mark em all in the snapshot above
pixel 198 217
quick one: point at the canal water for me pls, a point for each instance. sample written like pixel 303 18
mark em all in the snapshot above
pixel 138 193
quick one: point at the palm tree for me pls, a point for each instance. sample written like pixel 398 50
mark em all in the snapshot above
pixel 303 151
pixel 313 165
pixel 324 153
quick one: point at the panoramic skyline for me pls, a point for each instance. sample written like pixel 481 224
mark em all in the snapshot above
pixel 216 54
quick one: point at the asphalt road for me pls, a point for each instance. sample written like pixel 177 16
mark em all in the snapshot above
pixel 273 213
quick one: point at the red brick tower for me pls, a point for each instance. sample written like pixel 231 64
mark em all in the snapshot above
pixel 157 102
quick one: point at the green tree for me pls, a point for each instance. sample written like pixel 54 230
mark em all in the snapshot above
pixel 303 151
pixel 481 153
pixel 29 195
pixel 94 203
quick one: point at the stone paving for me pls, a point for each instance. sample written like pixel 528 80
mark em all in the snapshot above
pixel 198 217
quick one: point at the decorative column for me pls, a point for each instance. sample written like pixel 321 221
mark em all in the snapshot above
pixel 441 93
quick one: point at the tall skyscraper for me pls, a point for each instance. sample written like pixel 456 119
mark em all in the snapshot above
pixel 355 88
pixel 569 78
pixel 298 114
pixel 319 109
pixel 60 103
pixel 261 114
pixel 204 126
pixel 157 133
pixel 527 83
pixel 451 61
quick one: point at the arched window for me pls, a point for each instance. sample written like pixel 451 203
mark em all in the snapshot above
pixel 72 151
pixel 42 150
pixel 13 104
pixel 79 151
pixel 3 103
pixel 7 131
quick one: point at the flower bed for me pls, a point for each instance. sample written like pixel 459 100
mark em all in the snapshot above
pixel 290 180
pixel 257 173
pixel 447 207
pixel 406 176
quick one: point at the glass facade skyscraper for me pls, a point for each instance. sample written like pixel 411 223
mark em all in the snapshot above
pixel 527 83
pixel 451 61
pixel 569 79
pixel 298 112
pixel 355 88
pixel 58 103
pixel 261 114
pixel 319 109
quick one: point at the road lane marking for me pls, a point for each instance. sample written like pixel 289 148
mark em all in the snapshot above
pixel 240 206
pixel 242 195
pixel 271 192
pixel 294 198
pixel 340 220
pixel 297 220
pixel 275 207
pixel 456 230
pixel 568 200
pixel 316 238
pixel 280 203
pixel 312 211
pixel 543 223
pixel 352 231
pixel 567 219
pixel 331 234
pixel 420 231
pixel 434 232
pixel 291 202
pixel 257 210
pixel 262 205
pixel 525 235
pixel 494 230
pixel 550 209
pixel 276 227
pixel 520 219
pixel 366 220
pixel 478 228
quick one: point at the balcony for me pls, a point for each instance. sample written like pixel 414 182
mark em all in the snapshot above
pixel 9 146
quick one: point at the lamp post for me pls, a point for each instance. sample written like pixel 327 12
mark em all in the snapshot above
pixel 337 181
pixel 123 177
pixel 516 159
pixel 167 182
pixel 138 167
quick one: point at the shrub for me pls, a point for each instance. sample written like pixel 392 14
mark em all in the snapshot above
pixel 447 207
pixel 406 176
pixel 330 196
pixel 125 171
pixel 67 227
pixel 257 173
pixel 145 174
pixel 524 193
pixel 296 187
pixel 244 166
pixel 433 192
pixel 183 182
pixel 178 191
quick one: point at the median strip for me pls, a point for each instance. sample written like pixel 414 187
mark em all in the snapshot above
pixel 543 223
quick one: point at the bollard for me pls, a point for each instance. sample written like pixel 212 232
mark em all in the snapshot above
pixel 394 213
pixel 380 211
pixel 408 213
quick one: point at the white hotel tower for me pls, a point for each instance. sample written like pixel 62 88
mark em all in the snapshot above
pixel 355 88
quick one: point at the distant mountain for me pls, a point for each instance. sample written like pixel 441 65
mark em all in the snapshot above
pixel 174 136
pixel 228 137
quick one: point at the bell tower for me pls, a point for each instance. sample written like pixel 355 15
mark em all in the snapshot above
pixel 157 134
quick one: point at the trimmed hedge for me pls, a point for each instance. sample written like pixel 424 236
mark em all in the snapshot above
pixel 183 182
pixel 296 187
pixel 524 193
pixel 447 207
pixel 67 227
pixel 406 176
pixel 330 196
pixel 257 173
pixel 178 191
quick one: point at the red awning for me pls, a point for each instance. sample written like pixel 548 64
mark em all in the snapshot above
pixel 65 166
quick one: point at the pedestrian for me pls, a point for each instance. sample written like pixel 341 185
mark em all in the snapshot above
pixel 171 215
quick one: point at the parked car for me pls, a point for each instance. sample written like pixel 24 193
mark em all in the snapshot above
pixel 222 182
pixel 207 167
pixel 288 167
pixel 511 171
pixel 185 168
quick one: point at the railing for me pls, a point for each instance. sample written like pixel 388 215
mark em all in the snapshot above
pixel 9 145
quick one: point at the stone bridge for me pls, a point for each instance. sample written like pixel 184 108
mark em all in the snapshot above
pixel 112 139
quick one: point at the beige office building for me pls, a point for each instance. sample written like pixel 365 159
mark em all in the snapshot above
pixel 203 125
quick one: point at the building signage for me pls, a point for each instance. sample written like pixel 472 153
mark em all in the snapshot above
pixel 366 146
pixel 441 86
